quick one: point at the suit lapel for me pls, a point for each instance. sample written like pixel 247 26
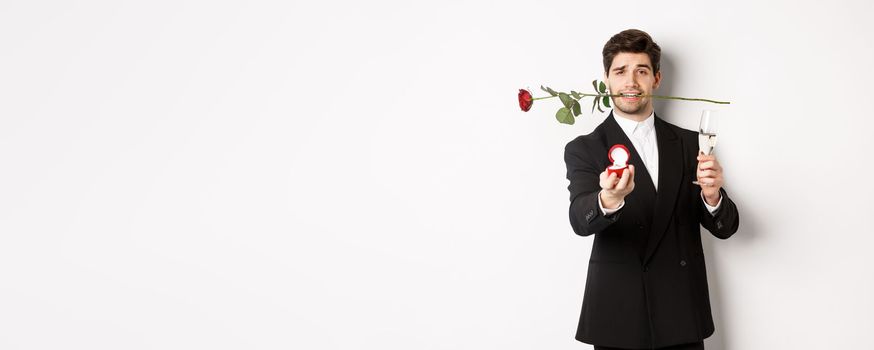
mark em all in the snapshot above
pixel 670 175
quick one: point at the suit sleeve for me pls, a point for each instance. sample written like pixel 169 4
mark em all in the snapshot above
pixel 585 214
pixel 724 222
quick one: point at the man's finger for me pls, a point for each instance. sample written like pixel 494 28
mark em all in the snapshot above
pixel 623 180
pixel 706 173
pixel 626 179
pixel 707 165
pixel 705 157
pixel 714 167
pixel 609 181
pixel 708 181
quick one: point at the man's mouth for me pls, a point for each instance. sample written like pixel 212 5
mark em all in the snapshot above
pixel 631 97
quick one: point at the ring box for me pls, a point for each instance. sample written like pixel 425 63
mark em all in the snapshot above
pixel 619 155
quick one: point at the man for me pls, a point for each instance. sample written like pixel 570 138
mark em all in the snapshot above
pixel 647 283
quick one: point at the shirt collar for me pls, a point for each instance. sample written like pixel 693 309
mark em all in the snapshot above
pixel 629 126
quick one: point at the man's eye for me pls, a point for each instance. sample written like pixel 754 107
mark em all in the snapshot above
pixel 643 72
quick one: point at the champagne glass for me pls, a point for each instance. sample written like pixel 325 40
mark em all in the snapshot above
pixel 707 133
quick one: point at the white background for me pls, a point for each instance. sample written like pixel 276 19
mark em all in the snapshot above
pixel 357 175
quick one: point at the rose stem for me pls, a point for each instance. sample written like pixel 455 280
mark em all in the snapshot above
pixel 656 96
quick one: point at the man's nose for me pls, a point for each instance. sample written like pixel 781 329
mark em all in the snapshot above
pixel 632 82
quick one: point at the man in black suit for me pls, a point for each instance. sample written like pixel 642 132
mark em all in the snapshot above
pixel 647 283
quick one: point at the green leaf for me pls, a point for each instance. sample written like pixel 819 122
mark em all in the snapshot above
pixel 599 106
pixel 595 85
pixel 594 102
pixel 602 87
pixel 564 116
pixel 576 95
pixel 566 100
pixel 550 91
pixel 606 101
pixel 576 109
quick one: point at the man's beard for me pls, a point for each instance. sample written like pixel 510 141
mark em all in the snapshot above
pixel 630 109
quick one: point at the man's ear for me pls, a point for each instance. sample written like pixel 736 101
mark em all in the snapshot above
pixel 658 80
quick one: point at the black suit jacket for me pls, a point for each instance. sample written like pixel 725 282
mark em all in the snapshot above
pixel 647 283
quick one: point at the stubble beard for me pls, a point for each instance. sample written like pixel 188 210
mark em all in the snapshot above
pixel 630 108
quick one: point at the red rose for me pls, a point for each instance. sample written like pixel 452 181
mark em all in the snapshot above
pixel 525 100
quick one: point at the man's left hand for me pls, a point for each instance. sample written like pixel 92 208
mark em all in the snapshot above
pixel 709 178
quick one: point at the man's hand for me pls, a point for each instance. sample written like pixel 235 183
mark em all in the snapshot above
pixel 614 190
pixel 709 177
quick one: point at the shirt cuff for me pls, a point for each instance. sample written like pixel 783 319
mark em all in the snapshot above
pixel 608 212
pixel 711 209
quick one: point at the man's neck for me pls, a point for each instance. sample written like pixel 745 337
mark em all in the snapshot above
pixel 638 117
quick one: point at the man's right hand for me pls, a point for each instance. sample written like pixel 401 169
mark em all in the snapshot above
pixel 614 190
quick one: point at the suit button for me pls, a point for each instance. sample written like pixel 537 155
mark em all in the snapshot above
pixel 645 268
pixel 682 262
pixel 719 225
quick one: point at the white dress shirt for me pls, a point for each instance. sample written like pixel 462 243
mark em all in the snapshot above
pixel 643 138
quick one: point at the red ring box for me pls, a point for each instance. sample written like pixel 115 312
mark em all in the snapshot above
pixel 619 155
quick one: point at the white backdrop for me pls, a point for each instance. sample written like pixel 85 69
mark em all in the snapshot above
pixel 357 175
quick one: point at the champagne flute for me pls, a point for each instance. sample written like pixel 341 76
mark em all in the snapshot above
pixel 707 133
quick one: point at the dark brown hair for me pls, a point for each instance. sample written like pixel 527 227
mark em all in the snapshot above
pixel 633 41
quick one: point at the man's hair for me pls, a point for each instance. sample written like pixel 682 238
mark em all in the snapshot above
pixel 632 41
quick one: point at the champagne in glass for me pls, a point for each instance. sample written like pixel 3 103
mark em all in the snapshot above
pixel 707 133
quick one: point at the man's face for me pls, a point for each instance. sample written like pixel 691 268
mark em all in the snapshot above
pixel 631 73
